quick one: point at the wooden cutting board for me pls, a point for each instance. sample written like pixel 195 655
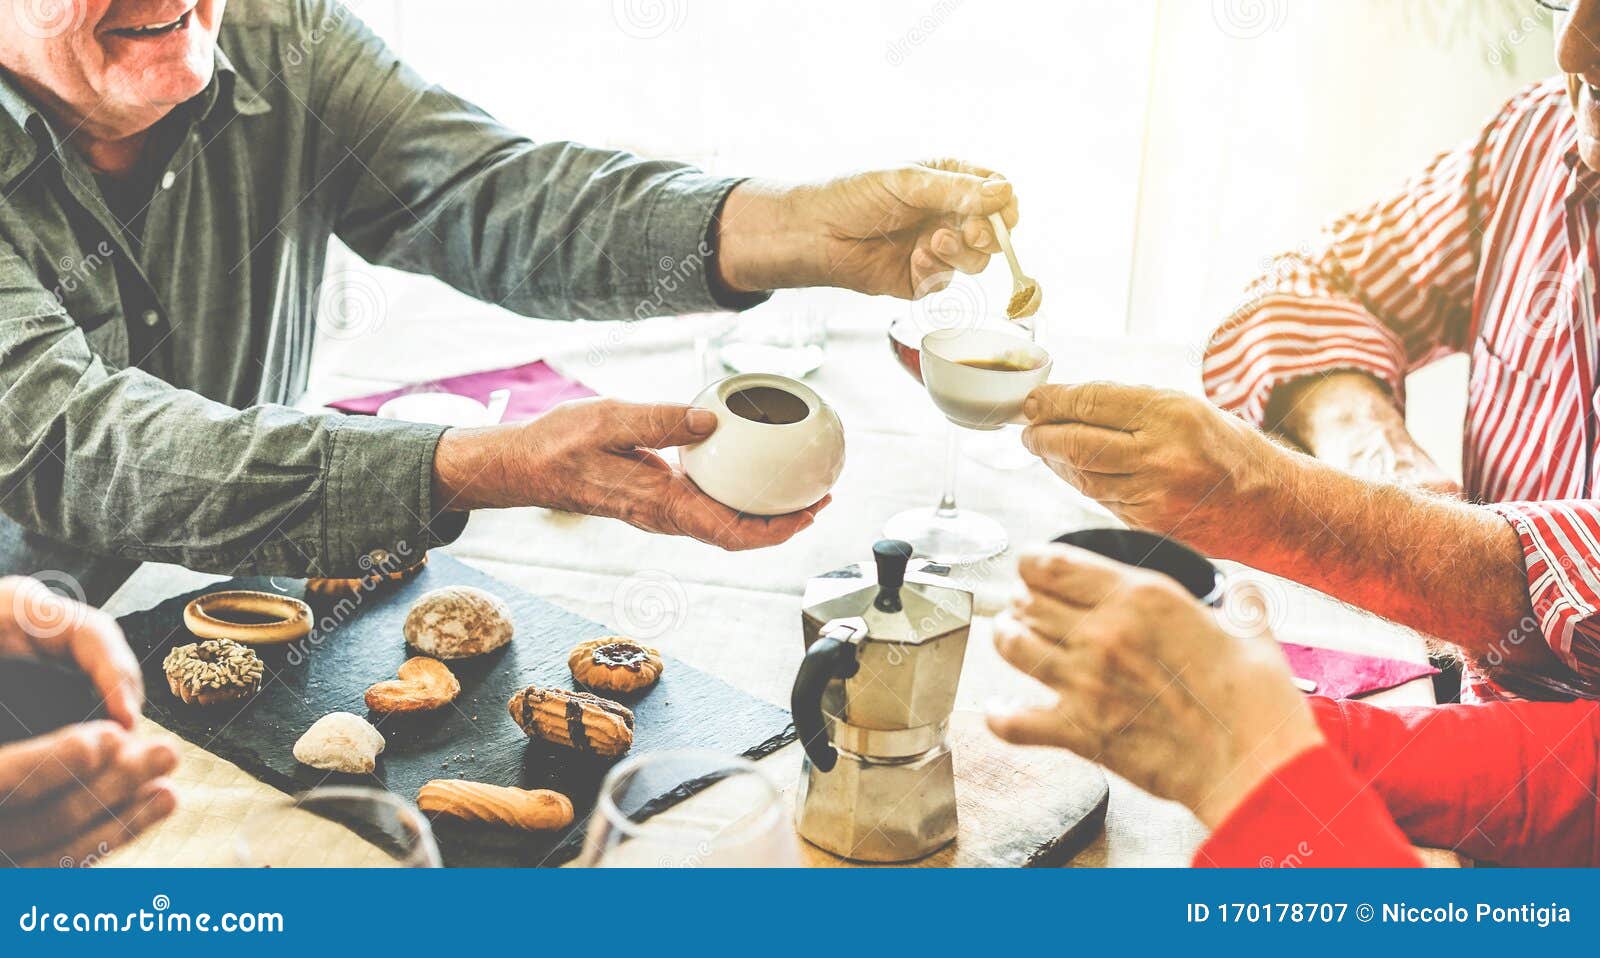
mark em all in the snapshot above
pixel 360 643
pixel 1016 807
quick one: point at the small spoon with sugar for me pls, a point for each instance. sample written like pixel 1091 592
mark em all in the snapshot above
pixel 1025 292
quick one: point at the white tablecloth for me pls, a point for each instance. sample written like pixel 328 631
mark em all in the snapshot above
pixel 737 615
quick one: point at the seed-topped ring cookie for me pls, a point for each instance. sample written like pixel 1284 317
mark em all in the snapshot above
pixel 580 721
pixel 212 672
pixel 615 663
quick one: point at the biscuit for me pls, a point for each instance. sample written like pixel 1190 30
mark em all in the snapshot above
pixel 341 587
pixel 614 663
pixel 577 720
pixel 340 742
pixel 536 809
pixel 458 621
pixel 424 684
pixel 212 672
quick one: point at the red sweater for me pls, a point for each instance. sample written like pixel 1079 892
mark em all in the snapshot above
pixel 1506 782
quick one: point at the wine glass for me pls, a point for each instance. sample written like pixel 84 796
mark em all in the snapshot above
pixel 337 826
pixel 733 817
pixel 943 533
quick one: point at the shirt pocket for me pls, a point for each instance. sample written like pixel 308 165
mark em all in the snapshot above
pixel 1511 431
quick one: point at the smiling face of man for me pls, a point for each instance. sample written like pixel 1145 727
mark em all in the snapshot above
pixel 111 68
pixel 1578 54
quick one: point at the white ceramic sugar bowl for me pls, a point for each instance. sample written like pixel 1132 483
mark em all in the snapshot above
pixel 778 447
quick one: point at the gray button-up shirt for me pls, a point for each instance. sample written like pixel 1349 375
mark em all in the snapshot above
pixel 144 383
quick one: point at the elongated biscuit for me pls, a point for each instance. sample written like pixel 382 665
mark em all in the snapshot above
pixel 581 721
pixel 538 809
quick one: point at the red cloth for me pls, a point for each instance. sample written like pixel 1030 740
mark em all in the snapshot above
pixel 1310 813
pixel 1511 783
pixel 1344 675
pixel 535 387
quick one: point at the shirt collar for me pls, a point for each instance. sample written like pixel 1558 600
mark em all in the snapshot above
pixel 241 96
pixel 1583 184
pixel 24 133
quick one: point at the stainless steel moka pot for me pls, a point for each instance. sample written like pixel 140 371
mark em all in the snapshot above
pixel 872 704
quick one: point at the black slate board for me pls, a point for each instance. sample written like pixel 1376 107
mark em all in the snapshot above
pixel 357 644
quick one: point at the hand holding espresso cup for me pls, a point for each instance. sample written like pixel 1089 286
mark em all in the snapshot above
pixel 1111 642
pixel 1158 459
pixel 599 457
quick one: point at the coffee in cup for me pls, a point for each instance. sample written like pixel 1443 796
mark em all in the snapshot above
pixel 979 378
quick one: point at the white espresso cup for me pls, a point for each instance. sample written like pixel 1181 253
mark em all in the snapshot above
pixel 975 397
pixel 778 447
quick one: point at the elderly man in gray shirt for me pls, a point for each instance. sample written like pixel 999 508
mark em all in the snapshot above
pixel 171 177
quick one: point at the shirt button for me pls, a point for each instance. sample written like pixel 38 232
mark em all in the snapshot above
pixel 167 179
pixel 151 317
pixel 379 557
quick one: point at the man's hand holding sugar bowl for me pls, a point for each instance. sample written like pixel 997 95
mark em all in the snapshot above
pixel 599 457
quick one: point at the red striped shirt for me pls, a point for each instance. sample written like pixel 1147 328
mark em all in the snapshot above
pixel 1491 251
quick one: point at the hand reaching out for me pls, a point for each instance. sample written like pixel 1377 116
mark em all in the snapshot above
pixel 37 622
pixel 1148 683
pixel 599 457
pixel 903 231
pixel 75 793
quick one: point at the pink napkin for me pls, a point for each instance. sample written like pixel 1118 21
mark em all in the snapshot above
pixel 535 387
pixel 1345 675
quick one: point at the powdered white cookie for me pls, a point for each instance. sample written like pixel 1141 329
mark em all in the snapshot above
pixel 340 742
pixel 458 621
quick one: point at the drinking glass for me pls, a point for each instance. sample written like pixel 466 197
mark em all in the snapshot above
pixel 943 533
pixel 781 339
pixel 337 826
pixel 733 817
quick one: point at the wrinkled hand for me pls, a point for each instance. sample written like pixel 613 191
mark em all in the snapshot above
pixel 1159 460
pixel 1370 454
pixel 598 457
pixel 1350 420
pixel 1148 683
pixel 901 232
pixel 70 796
pixel 75 794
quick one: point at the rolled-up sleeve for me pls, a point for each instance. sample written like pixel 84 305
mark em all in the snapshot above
pixel 1561 550
pixel 429 183
pixel 1383 291
pixel 118 462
